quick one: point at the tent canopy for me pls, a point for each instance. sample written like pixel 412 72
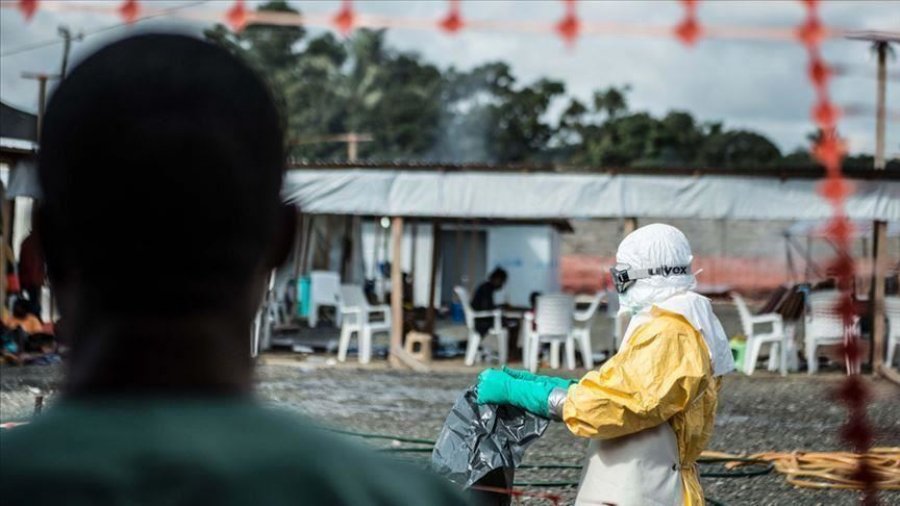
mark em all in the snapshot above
pixel 549 195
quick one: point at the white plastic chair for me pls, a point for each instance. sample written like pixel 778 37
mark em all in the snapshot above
pixel 581 331
pixel 355 311
pixel 775 338
pixel 497 329
pixel 824 325
pixel 892 311
pixel 554 317
pixel 324 291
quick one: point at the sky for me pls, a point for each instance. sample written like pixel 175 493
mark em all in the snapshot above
pixel 757 85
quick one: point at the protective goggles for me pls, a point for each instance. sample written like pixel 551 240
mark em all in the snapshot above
pixel 624 276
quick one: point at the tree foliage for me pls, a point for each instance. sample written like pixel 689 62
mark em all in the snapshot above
pixel 415 111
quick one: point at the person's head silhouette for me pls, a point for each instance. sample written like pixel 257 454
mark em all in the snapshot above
pixel 161 164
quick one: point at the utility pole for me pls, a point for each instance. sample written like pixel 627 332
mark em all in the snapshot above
pixel 5 204
pixel 881 44
pixel 42 95
pixel 352 139
pixel 6 208
pixel 67 37
pixel 879 231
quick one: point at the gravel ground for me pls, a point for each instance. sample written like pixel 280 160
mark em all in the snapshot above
pixel 756 414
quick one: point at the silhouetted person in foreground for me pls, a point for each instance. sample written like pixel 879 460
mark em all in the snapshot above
pixel 153 143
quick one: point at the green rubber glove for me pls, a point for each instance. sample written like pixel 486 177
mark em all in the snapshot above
pixel 551 380
pixel 497 387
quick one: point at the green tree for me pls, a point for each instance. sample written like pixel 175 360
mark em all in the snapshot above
pixel 270 49
pixel 328 86
pixel 737 149
pixel 415 111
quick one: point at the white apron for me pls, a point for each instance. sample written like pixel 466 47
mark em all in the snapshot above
pixel 640 469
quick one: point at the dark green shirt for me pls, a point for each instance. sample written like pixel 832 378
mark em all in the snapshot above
pixel 215 452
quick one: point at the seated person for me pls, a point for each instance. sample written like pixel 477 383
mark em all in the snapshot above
pixel 483 299
pixel 23 318
pixel 169 136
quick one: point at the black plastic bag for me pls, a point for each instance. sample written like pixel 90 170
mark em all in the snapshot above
pixel 483 444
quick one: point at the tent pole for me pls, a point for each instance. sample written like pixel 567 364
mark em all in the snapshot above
pixel 808 257
pixel 308 222
pixel 432 281
pixel 4 235
pixel 790 259
pixel 879 253
pixel 414 233
pixel 470 264
pixel 346 249
pixel 396 290
pixel 376 241
pixel 458 257
pixel 329 225
pixel 298 247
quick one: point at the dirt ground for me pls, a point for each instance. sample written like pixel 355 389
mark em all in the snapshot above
pixel 756 414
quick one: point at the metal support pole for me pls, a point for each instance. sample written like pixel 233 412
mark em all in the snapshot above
pixel 432 282
pixel 396 291
pixel 879 230
pixel 4 236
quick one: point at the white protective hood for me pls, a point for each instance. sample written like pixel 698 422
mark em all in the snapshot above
pixel 661 245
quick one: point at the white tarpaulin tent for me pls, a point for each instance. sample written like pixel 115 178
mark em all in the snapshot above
pixel 521 196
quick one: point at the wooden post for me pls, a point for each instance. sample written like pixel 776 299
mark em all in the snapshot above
pixel 396 290
pixel 629 226
pixel 308 223
pixel 471 282
pixel 298 249
pixel 345 269
pixel 807 256
pixel 432 281
pixel 413 237
pixel 879 253
pixel 329 231
pixel 458 257
pixel 879 230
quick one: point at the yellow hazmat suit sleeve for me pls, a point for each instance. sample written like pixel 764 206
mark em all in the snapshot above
pixel 662 368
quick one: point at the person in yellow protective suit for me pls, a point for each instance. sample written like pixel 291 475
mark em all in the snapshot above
pixel 649 410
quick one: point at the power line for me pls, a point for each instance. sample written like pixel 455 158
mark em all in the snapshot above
pixel 52 42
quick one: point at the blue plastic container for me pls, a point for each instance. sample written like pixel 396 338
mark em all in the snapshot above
pixel 303 296
pixel 456 313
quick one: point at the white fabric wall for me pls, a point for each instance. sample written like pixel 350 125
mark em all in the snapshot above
pixel 373 237
pixel 530 254
pixel 22 225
